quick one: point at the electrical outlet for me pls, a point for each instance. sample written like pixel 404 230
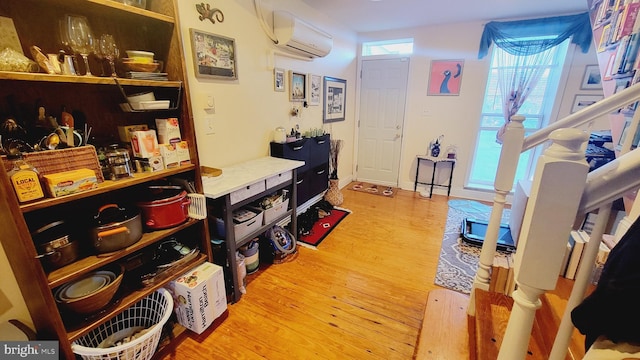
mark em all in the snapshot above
pixel 209 125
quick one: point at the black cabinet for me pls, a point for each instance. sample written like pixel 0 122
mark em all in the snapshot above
pixel 313 177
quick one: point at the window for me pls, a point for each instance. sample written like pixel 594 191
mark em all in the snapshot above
pixel 536 109
pixel 388 47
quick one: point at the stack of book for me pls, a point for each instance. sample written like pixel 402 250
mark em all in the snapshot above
pixel 502 280
pixel 574 254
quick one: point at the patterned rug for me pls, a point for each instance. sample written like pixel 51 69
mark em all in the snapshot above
pixel 458 260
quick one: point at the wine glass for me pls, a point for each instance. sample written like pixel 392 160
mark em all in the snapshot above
pixel 79 36
pixel 109 50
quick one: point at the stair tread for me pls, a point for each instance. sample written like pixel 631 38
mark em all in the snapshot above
pixel 492 315
pixel 444 334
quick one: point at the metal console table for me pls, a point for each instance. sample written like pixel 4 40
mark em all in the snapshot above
pixel 435 162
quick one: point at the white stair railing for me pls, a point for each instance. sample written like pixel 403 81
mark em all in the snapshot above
pixel 526 301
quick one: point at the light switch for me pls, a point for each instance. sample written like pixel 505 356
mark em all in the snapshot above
pixel 211 104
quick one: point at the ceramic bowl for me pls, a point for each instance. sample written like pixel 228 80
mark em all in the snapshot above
pixel 83 287
pixel 96 300
pixel 138 56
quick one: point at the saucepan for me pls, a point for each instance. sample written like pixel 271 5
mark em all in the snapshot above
pixel 115 228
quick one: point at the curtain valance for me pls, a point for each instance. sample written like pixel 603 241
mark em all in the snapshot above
pixel 508 34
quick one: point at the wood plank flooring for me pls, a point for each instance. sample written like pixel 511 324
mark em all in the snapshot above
pixel 360 295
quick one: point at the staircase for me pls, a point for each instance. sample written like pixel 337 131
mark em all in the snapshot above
pixel 449 333
pixel 534 324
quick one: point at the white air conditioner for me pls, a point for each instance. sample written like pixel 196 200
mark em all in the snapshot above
pixel 300 37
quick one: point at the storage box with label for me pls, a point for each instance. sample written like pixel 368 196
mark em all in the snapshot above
pixel 169 155
pixel 145 144
pixel 182 148
pixel 199 296
pixel 168 131
pixel 70 182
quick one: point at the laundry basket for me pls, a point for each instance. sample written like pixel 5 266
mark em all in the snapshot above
pixel 150 313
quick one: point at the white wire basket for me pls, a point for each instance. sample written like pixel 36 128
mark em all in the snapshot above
pixel 150 313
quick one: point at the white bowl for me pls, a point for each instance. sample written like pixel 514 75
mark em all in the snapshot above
pixel 144 57
pixel 83 287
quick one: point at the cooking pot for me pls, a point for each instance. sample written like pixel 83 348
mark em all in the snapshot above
pixel 164 207
pixel 55 248
pixel 115 228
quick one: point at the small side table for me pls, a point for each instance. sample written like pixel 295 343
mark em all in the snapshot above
pixel 435 162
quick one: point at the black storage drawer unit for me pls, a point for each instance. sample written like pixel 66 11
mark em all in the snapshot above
pixel 313 177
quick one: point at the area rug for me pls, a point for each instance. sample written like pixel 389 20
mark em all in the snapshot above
pixel 374 189
pixel 458 260
pixel 323 227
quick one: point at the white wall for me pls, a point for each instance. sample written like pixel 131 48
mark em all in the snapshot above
pixel 457 117
pixel 248 109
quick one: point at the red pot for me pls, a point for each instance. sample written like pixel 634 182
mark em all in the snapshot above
pixel 162 213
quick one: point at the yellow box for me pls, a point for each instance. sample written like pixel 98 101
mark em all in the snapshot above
pixel 70 182
pixel 124 132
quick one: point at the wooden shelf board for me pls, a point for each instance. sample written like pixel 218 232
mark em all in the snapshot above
pixel 71 79
pixel 106 186
pixel 93 262
pixel 131 298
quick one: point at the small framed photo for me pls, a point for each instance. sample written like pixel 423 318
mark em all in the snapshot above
pixel 214 56
pixel 278 79
pixel 297 86
pixel 591 80
pixel 582 101
pixel 335 92
pixel 315 83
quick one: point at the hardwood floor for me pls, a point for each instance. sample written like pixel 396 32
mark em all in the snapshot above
pixel 361 295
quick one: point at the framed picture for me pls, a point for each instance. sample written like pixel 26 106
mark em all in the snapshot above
pixel 297 86
pixel 591 79
pixel 445 77
pixel 315 82
pixel 582 101
pixel 278 79
pixel 214 56
pixel 335 92
pixel 623 136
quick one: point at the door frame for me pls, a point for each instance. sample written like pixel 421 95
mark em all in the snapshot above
pixel 356 132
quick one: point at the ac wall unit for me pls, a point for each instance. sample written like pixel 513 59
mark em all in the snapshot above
pixel 300 37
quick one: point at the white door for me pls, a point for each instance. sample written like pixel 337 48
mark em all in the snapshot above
pixel 382 105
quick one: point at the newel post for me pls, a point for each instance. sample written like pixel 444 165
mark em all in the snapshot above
pixel 505 175
pixel 557 188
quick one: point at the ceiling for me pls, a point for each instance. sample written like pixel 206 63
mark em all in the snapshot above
pixel 377 15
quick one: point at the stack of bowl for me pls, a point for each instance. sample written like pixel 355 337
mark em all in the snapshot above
pixel 137 60
pixel 90 293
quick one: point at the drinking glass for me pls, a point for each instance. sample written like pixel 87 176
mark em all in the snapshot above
pixel 109 50
pixel 80 39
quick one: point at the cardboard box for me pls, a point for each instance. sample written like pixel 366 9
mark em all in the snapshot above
pixel 150 164
pixel 145 144
pixel 124 132
pixel 168 131
pixel 70 182
pixel 182 149
pixel 169 155
pixel 199 296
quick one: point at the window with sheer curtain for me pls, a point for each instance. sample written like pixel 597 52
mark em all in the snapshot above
pixel 539 97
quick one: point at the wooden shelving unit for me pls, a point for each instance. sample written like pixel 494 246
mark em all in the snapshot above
pixel 154 29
